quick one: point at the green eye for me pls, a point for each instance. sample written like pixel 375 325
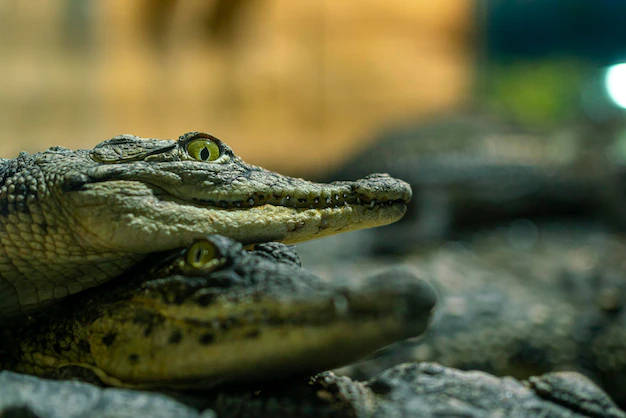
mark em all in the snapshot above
pixel 203 150
pixel 202 255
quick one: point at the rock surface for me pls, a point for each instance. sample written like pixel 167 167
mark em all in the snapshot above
pixel 521 300
pixel 411 389
pixel 29 396
pixel 430 390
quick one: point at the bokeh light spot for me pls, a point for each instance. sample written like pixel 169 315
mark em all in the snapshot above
pixel 615 83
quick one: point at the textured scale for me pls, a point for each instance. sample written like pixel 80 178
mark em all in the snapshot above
pixel 35 234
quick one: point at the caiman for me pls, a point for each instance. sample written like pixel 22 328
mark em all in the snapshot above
pixel 70 220
pixel 217 313
pixel 472 169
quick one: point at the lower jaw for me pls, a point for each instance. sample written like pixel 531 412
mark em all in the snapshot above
pixel 177 225
pixel 302 350
pixel 305 224
pixel 363 217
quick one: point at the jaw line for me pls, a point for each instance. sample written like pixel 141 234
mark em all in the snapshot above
pixel 283 223
pixel 270 222
pixel 135 217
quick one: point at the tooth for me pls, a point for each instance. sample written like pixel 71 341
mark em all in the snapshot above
pixel 251 202
pixel 372 203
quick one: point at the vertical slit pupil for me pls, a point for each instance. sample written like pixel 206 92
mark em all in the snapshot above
pixel 199 255
pixel 205 154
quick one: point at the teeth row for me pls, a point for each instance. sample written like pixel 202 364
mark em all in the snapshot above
pixel 335 201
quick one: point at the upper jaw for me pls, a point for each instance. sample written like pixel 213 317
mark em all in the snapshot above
pixel 237 185
pixel 372 191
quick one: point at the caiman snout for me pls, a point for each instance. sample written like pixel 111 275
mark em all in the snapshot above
pixel 412 298
pixel 382 187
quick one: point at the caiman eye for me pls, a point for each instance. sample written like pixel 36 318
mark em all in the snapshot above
pixel 203 255
pixel 203 150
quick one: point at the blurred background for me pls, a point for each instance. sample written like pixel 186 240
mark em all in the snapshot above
pixel 290 85
pixel 294 86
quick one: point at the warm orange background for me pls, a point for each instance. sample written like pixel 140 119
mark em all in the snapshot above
pixel 291 85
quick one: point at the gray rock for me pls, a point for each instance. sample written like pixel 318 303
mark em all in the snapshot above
pixel 431 390
pixel 28 396
pixel 574 391
pixel 412 389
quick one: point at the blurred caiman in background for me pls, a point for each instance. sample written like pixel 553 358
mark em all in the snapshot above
pixel 471 169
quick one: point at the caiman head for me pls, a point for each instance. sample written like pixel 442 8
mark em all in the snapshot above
pixel 215 313
pixel 73 219
pixel 148 195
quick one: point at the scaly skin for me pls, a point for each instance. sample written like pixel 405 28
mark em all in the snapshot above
pixel 70 220
pixel 258 316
